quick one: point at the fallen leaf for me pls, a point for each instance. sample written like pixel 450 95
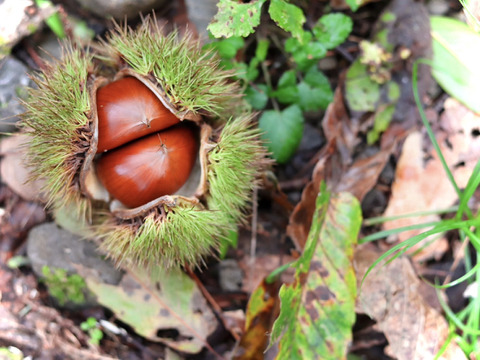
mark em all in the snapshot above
pixel 13 171
pixel 336 167
pixel 402 25
pixel 317 310
pixel 422 185
pixel 259 318
pixel 170 309
pixel 257 269
pixel 392 295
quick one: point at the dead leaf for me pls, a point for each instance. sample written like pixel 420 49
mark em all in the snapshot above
pixel 260 316
pixel 421 184
pixel 170 309
pixel 392 295
pixel 337 169
pixel 13 171
pixel 257 270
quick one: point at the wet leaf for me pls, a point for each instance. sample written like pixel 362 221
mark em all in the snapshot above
pixel 455 55
pixel 154 309
pixel 282 131
pixel 235 18
pixel 317 310
pixel 287 16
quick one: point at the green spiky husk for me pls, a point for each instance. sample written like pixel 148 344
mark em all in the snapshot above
pixel 184 235
pixel 190 77
pixel 57 120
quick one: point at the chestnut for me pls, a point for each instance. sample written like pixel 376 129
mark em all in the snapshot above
pixel 147 138
pixel 127 110
pixel 148 168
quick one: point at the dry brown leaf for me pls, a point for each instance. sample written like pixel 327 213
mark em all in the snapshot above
pixel 257 270
pixel 336 167
pixel 422 185
pixel 13 171
pixel 394 297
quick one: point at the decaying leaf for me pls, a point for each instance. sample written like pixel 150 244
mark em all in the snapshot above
pixel 393 296
pixel 13 171
pixel 402 26
pixel 420 181
pixel 172 304
pixel 337 168
pixel 260 311
pixel 317 310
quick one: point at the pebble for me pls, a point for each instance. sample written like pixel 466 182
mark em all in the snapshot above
pixel 13 81
pixel 119 9
pixel 49 245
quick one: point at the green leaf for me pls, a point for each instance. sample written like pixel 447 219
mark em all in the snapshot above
pixel 382 119
pixel 235 18
pixel 455 60
pixel 317 311
pixel 54 21
pixel 288 78
pixel 257 96
pixel 287 16
pixel 262 49
pixel 314 92
pixel 312 99
pixel 282 130
pixel 361 92
pixel 332 29
pixel 227 48
pixel 287 91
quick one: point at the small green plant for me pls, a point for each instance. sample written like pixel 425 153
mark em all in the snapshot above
pixel 63 287
pixel 301 88
pixel 90 326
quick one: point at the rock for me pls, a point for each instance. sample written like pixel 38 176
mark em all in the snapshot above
pixel 230 275
pixel 200 14
pixel 56 248
pixel 13 81
pixel 438 7
pixel 119 9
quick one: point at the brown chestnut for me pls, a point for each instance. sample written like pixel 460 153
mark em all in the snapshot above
pixel 150 167
pixel 127 110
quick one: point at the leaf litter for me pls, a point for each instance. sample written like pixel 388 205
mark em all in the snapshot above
pixel 420 180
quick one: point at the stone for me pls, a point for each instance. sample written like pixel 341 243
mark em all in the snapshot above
pixel 119 9
pixel 49 245
pixel 13 83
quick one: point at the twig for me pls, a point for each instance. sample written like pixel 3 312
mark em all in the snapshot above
pixel 456 261
pixel 253 241
pixel 216 308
